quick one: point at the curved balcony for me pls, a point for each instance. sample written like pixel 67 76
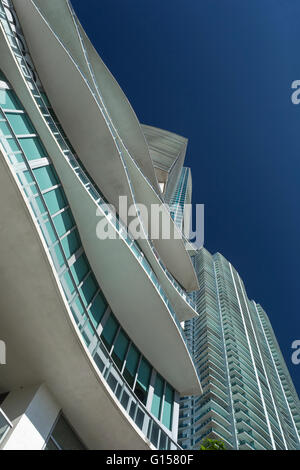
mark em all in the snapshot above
pixel 93 121
pixel 183 304
pixel 153 316
pixel 79 180
pixel 46 345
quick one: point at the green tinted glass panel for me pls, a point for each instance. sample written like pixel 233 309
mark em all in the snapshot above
pixel 11 146
pixel 88 289
pixel 71 243
pixel 157 396
pixel 32 147
pixel 132 360
pixel 69 282
pixel 63 222
pixel 51 232
pixel 4 129
pixel 121 345
pixel 20 124
pixel 97 309
pixel 59 255
pixel 8 100
pixel 46 177
pixel 46 101
pixel 168 407
pixel 77 309
pixel 40 206
pixel 109 330
pixel 80 269
pixel 27 177
pixel 55 200
pixel 144 374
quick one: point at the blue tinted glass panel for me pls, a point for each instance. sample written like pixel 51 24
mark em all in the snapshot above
pixel 121 345
pixel 32 147
pixel 59 255
pixel 89 289
pixel 4 129
pixel 46 177
pixel 69 282
pixel 11 145
pixel 144 374
pixel 157 396
pixel 55 200
pixel 168 407
pixel 41 209
pixel 27 177
pixel 63 222
pixel 97 309
pixel 20 124
pixel 71 243
pixel 51 232
pixel 80 269
pixel 109 330
pixel 8 100
pixel 132 360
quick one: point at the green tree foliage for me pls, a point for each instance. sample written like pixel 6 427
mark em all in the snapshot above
pixel 212 444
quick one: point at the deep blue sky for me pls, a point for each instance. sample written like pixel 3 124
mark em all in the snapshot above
pixel 219 72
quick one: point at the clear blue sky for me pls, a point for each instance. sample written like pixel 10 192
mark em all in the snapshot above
pixel 219 72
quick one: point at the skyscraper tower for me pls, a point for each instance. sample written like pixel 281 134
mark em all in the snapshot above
pixel 249 400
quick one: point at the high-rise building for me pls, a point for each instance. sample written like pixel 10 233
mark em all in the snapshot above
pixel 92 352
pixel 95 354
pixel 248 400
pixel 181 196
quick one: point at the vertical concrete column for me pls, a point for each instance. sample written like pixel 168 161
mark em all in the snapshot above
pixel 32 411
pixel 175 419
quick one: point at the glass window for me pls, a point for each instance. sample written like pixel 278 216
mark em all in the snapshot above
pixel 80 269
pixel 143 379
pixel 71 243
pixel 157 396
pixel 50 232
pixel 168 407
pixel 132 361
pixel 38 206
pixel 77 310
pixel 58 256
pixel 63 222
pixel 109 331
pixel 97 309
pixel 32 147
pixel 46 177
pixel 64 437
pixel 20 123
pixel 69 283
pixel 88 289
pixel 120 348
pixel 45 98
pixel 8 100
pixel 55 200
pixel 4 129
pixel 11 146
